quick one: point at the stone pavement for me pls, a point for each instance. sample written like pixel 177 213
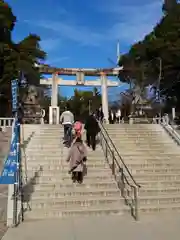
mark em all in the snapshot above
pixel 161 227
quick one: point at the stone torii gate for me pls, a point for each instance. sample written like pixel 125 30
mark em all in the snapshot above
pixel 79 81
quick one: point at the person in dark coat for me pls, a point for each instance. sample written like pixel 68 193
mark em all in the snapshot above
pixel 92 129
pixel 100 114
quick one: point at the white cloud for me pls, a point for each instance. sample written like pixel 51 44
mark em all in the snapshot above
pixel 134 21
pixel 76 33
pixel 130 23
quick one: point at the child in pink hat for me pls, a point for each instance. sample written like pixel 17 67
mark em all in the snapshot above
pixel 78 129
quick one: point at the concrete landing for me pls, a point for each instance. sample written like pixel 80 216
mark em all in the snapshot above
pixel 163 226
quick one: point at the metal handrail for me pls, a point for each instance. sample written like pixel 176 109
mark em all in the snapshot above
pixel 15 190
pixel 171 131
pixel 128 191
pixel 122 161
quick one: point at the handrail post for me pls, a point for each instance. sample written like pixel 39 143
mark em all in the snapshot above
pixel 113 164
pixel 136 207
pixel 122 181
pixel 106 150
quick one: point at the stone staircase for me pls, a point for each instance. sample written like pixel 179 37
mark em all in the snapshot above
pixel 153 158
pixel 50 192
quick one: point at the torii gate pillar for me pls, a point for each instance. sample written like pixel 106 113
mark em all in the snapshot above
pixel 105 106
pixel 54 108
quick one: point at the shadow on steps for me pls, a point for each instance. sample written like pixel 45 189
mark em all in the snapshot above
pixel 28 189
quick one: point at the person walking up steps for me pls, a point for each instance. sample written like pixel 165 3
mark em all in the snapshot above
pixel 77 157
pixel 78 129
pixel 67 120
pixel 92 129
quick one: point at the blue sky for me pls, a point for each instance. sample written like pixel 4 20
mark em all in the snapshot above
pixel 79 33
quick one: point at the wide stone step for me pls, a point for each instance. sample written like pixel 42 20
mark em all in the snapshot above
pixel 76 192
pixel 161 208
pixel 64 174
pixel 47 152
pixel 52 153
pixel 59 160
pixel 149 166
pixel 51 165
pixel 73 212
pixel 145 163
pixel 45 144
pixel 67 202
pixel 153 183
pixel 59 171
pixel 136 139
pixel 144 148
pixel 150 155
pixel 156 171
pixel 143 143
pixel 87 184
pixel 36 150
pixel 46 140
pixel 132 150
pixel 67 179
pixel 157 177
pixel 51 131
pixel 51 135
pixel 54 168
pixel 134 135
pixel 153 191
pixel 39 158
pixel 148 139
pixel 163 162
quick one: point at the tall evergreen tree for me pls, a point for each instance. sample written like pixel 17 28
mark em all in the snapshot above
pixel 156 58
pixel 169 5
pixel 16 57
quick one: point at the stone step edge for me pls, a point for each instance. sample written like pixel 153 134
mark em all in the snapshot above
pixel 85 208
pixel 121 208
pixel 97 190
pixel 155 175
pixel 64 184
pixel 63 169
pixel 94 198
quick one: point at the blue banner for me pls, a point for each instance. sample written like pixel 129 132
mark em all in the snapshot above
pixel 9 172
pixel 14 88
